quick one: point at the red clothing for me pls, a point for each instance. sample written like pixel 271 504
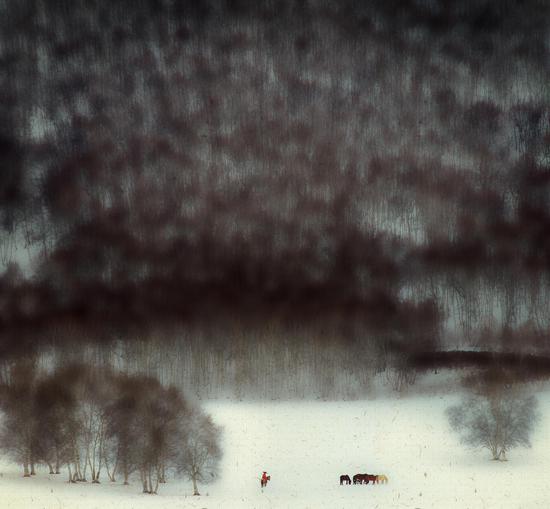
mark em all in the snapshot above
pixel 264 477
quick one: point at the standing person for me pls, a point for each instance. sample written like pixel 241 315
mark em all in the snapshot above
pixel 264 479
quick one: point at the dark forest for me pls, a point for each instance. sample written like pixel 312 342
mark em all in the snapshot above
pixel 275 197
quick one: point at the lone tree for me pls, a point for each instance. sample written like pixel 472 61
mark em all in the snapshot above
pixel 496 415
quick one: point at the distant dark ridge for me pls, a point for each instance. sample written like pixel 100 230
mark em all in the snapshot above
pixel 525 366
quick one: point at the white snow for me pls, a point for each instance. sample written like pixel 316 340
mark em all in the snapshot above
pixel 305 446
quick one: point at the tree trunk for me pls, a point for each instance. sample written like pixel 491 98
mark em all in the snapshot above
pixel 93 471
pixel 92 468
pixel 26 470
pixel 77 475
pixel 86 459
pixel 111 474
pixel 144 481
pixel 50 466
pixel 71 478
pixel 195 489
pixel 150 481
pixel 56 459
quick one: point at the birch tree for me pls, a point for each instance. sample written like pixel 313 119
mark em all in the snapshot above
pixel 201 451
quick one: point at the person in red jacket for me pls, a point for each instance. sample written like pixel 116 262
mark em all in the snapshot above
pixel 264 479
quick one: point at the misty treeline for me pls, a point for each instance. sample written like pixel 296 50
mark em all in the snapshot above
pixel 230 364
pixel 366 179
pixel 102 425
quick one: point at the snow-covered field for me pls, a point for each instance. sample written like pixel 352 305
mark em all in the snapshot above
pixel 306 446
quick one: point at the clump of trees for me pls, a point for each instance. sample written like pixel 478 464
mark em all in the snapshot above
pixel 498 414
pixel 95 420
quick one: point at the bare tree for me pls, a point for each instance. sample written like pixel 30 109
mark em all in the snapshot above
pixel 123 427
pixel 19 434
pixel 143 430
pixel 499 417
pixel 200 455
pixel 90 391
pixel 54 412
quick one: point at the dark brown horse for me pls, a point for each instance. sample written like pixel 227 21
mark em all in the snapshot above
pixel 364 478
pixel 359 478
pixel 345 479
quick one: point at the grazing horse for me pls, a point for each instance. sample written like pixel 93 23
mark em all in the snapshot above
pixel 370 477
pixel 345 479
pixel 381 478
pixel 360 479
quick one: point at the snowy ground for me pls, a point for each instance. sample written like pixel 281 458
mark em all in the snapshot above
pixel 306 446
